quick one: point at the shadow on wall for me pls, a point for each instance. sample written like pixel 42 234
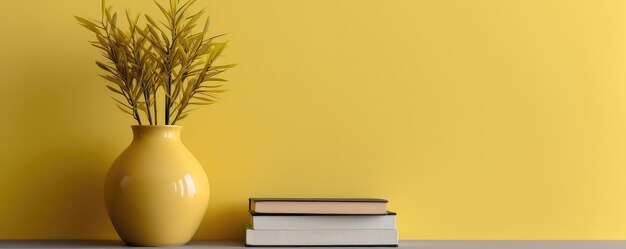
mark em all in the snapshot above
pixel 226 222
pixel 57 164
pixel 59 195
pixel 57 178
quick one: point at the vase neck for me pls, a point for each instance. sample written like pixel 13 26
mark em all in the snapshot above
pixel 170 132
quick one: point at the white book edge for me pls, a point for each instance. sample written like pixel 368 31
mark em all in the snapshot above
pixel 324 222
pixel 322 237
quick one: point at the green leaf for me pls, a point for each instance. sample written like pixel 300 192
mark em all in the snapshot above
pixel 223 66
pixel 212 73
pixel 181 117
pixel 186 6
pixel 114 80
pixel 213 91
pixel 167 42
pixel 216 51
pixel 154 43
pixel 153 23
pixel 85 21
pixel 121 103
pixel 195 17
pixel 142 106
pixel 214 79
pixel 188 111
pixel 88 25
pixel 173 5
pixel 201 103
pixel 206 26
pixel 124 110
pixel 107 13
pixel 114 19
pixel 102 41
pixel 204 99
pixel 104 66
pixel 215 36
pixel 165 12
pixel 180 14
pixel 99 46
pixel 114 90
pixel 216 86
pixel 103 3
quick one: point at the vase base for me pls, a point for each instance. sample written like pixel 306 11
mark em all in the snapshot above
pixel 154 245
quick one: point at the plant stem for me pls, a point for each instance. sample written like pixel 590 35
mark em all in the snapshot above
pixel 146 97
pixel 178 114
pixel 167 99
pixel 156 114
pixel 137 115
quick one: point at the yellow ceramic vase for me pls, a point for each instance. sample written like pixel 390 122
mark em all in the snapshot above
pixel 156 192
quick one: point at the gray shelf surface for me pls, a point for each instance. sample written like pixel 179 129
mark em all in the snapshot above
pixel 417 244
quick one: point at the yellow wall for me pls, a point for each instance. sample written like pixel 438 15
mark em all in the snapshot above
pixel 476 119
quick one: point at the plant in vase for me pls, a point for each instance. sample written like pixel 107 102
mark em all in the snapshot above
pixel 156 192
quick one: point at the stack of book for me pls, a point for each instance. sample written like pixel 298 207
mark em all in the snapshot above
pixel 321 222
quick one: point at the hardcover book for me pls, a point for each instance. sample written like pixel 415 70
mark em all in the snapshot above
pixel 322 221
pixel 318 205
pixel 322 237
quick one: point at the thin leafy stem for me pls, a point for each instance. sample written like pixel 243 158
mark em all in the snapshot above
pixel 157 54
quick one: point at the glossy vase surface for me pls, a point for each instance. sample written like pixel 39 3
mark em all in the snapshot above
pixel 156 192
